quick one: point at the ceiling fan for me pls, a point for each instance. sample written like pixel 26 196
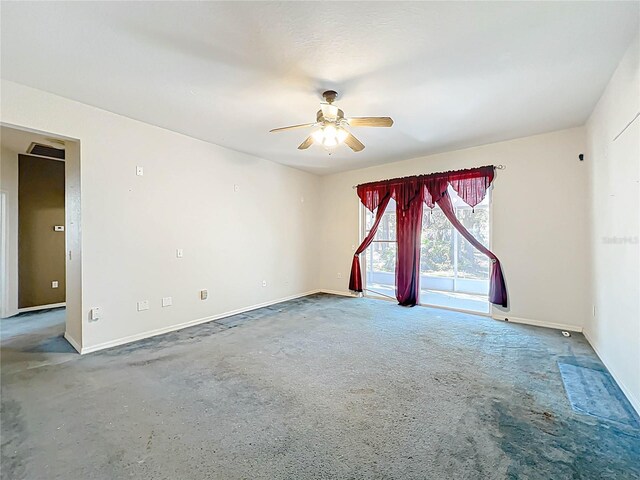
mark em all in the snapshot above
pixel 332 125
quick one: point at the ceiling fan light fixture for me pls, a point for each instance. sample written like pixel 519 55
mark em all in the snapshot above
pixel 330 136
pixel 330 131
pixel 318 136
pixel 330 141
pixel 341 135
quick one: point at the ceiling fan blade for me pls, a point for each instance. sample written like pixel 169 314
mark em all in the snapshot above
pixel 353 143
pixel 370 121
pixel 292 127
pixel 306 144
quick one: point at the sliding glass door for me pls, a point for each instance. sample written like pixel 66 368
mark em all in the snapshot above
pixel 453 274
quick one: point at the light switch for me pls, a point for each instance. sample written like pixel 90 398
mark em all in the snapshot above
pixel 139 171
pixel 167 301
pixel 204 294
pixel 179 253
pixel 58 228
pixel 54 284
pixel 95 313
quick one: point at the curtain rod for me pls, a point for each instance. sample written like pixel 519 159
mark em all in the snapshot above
pixel 497 167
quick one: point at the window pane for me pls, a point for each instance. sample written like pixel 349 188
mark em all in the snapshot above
pixel 436 249
pixel 472 263
pixel 387 227
pixel 381 255
pixel 381 267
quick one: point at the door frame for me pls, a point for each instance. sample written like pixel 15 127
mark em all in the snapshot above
pixel 73 239
pixel 4 252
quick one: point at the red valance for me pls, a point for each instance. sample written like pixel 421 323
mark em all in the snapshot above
pixel 470 184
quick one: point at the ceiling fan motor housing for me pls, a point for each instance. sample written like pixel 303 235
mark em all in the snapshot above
pixel 330 96
pixel 339 117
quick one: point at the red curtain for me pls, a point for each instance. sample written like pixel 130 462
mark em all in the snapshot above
pixel 409 204
pixel 355 280
pixel 410 193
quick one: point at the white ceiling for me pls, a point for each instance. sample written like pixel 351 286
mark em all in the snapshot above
pixel 451 75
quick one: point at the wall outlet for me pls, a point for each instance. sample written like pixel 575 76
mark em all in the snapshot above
pixel 167 301
pixel 143 305
pixel 236 188
pixel 179 253
pixel 264 283
pixel 54 284
pixel 204 294
pixel 139 171
pixel 95 313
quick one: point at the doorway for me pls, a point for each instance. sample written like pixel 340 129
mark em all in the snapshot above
pixel 41 247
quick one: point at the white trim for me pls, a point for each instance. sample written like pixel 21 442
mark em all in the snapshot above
pixel 537 323
pixel 635 402
pixel 41 307
pixel 43 156
pixel 460 310
pixel 4 256
pixel 73 342
pixel 190 323
pixel 338 292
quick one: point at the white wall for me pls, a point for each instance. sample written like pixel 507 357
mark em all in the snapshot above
pixel 9 186
pixel 614 175
pixel 132 225
pixel 539 221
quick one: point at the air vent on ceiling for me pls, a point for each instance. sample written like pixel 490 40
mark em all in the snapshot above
pixel 46 151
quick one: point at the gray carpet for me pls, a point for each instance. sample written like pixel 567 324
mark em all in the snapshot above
pixel 322 387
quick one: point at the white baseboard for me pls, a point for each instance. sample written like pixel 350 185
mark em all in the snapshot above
pixel 538 323
pixel 338 292
pixel 190 323
pixel 9 313
pixel 635 402
pixel 73 342
pixel 41 307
